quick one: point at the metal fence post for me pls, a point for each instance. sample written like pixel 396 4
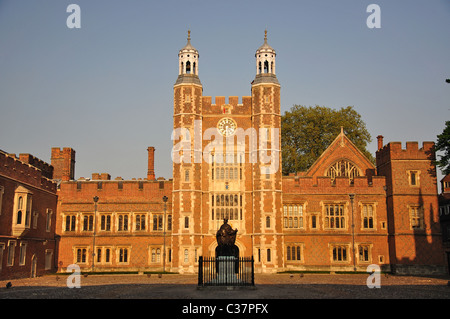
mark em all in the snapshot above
pixel 200 271
pixel 236 272
pixel 253 271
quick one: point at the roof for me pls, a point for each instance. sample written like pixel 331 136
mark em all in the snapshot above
pixel 446 178
pixel 188 46
pixel 265 47
pixel 341 148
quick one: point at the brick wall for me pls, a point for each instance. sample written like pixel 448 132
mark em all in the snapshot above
pixel 412 245
pixel 39 240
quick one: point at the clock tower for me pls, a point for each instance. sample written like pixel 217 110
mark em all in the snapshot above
pixel 266 172
pixel 187 190
pixel 226 165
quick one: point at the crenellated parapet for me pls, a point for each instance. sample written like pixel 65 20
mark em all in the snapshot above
pixel 223 106
pixel 27 169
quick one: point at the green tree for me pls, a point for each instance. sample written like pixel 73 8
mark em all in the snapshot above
pixel 306 132
pixel 443 145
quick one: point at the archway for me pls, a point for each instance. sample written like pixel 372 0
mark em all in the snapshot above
pixel 212 248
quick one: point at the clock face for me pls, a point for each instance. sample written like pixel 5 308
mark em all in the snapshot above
pixel 226 126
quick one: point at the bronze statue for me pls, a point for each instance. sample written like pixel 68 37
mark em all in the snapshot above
pixel 226 238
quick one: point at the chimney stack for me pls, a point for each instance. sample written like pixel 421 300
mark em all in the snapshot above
pixel 151 164
pixel 380 141
pixel 63 162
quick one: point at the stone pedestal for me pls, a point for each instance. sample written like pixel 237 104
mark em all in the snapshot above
pixel 225 271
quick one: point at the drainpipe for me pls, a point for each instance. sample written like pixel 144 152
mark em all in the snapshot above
pixel 352 196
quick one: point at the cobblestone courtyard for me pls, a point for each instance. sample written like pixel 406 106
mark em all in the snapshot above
pixel 275 286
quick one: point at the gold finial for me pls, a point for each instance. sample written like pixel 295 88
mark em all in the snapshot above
pixel 265 35
pixel 189 35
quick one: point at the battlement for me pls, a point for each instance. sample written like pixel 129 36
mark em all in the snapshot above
pixel 66 152
pixel 27 169
pixel 101 177
pixel 395 151
pixel 323 184
pixel 63 162
pixel 117 189
pixel 46 169
pixel 223 106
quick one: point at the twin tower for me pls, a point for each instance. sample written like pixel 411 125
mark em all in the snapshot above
pixel 227 182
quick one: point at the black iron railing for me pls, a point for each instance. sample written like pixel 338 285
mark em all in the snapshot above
pixel 226 271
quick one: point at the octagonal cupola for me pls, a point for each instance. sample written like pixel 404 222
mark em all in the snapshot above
pixel 265 63
pixel 188 63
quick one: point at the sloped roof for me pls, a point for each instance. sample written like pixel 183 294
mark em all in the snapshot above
pixel 340 149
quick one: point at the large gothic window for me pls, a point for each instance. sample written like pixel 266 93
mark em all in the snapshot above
pixel 226 206
pixel 343 168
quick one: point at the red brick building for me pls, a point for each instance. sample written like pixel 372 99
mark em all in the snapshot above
pixel 341 205
pixel 444 215
pixel 343 214
pixel 122 229
pixel 415 238
pixel 28 246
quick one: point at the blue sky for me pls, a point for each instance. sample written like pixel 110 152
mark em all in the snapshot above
pixel 106 89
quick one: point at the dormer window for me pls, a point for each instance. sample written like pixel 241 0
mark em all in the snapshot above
pixel 22 211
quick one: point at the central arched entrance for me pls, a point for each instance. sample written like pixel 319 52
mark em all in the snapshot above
pixel 212 248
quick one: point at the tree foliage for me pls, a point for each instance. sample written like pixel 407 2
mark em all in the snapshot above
pixel 306 132
pixel 443 145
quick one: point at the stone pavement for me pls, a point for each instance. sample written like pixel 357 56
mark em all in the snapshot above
pixel 267 286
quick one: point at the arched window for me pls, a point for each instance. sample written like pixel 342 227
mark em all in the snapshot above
pixel 19 217
pixel 188 67
pixel 259 67
pixel 193 68
pixel 20 203
pixel 266 66
pixel 343 168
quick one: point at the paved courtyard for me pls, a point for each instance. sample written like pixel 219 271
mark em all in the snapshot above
pixel 273 286
pixel 177 296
